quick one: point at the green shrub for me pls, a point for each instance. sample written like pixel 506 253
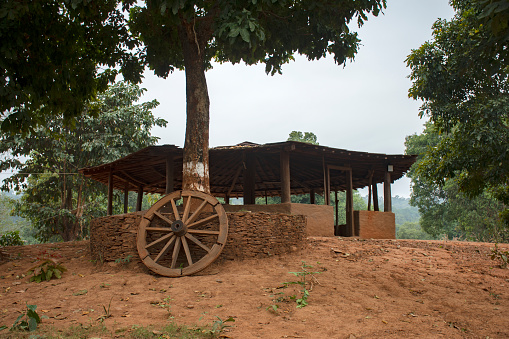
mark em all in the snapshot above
pixel 11 239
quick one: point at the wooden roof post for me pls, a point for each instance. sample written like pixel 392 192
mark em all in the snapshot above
pixel 285 176
pixel 349 204
pixel 109 210
pixel 249 180
pixel 387 189
pixel 170 181
pixel 375 197
pixel 126 197
pixel 312 196
pixel 326 182
pixel 336 203
pixel 139 200
pixel 370 184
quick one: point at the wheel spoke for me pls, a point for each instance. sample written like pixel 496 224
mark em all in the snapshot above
pixel 186 249
pixel 159 229
pixel 207 232
pixel 176 251
pixel 165 248
pixel 175 210
pixel 168 221
pixel 196 213
pixel 197 242
pixel 187 208
pixel 155 242
pixel 203 221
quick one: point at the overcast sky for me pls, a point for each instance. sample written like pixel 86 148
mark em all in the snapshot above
pixel 362 107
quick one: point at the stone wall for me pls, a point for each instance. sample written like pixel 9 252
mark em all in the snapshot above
pixel 250 235
pixel 320 218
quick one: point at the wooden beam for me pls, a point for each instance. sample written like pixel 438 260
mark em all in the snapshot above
pixel 326 183
pixel 126 197
pixel 235 177
pixel 375 197
pixel 349 205
pixel 249 179
pixel 285 176
pixel 312 196
pixel 370 183
pixel 139 200
pixel 170 180
pixel 387 192
pixel 110 193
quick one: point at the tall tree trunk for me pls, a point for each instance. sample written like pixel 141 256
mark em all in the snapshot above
pixel 195 175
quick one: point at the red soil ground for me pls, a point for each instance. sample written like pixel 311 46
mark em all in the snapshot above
pixel 365 289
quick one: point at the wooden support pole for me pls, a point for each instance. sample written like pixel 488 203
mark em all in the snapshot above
pixel 249 180
pixel 387 192
pixel 349 205
pixel 126 197
pixel 110 193
pixel 326 183
pixel 312 196
pixel 227 199
pixel 285 177
pixel 375 197
pixel 370 184
pixel 336 221
pixel 170 180
pixel 139 200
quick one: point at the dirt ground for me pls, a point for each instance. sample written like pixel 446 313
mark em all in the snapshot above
pixel 364 289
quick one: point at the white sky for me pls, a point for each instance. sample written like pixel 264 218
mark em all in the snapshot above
pixel 362 107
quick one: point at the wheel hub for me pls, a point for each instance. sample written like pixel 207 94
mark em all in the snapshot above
pixel 179 228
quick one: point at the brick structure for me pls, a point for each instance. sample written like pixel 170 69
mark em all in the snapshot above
pixel 250 235
pixel 375 225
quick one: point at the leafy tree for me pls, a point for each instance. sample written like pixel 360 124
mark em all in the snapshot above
pixel 56 198
pixel 188 35
pixel 308 137
pixel 411 230
pixel 444 209
pixel 56 55
pixel 461 76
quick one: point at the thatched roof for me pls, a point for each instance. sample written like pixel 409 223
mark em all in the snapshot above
pixel 147 168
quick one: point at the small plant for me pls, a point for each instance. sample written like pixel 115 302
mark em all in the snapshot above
pixel 304 283
pixel 107 313
pixel 219 325
pixel 45 270
pixel 28 320
pixel 502 256
pixel 125 260
pixel 11 239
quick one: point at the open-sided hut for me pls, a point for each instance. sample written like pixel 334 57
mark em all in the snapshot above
pixel 282 169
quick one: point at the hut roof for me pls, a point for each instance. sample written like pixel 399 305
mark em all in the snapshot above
pixel 147 168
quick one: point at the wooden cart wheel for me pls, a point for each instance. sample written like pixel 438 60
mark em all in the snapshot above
pixel 182 233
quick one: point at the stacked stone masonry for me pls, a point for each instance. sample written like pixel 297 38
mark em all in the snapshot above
pixel 250 235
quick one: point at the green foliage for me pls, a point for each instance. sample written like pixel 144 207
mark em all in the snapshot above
pixel 304 283
pixel 250 31
pixel 412 230
pixel 219 325
pixel 501 256
pixel 46 270
pixel 444 209
pixel 125 260
pixel 56 55
pixel 58 201
pixel 28 320
pixel 308 137
pixel 461 76
pixel 11 239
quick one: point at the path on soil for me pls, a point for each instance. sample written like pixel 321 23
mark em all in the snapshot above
pixel 364 289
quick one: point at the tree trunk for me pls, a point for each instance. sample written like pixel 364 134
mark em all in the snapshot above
pixel 195 175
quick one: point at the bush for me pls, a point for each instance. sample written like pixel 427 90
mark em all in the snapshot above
pixel 11 239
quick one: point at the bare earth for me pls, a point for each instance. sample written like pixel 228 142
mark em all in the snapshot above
pixel 365 289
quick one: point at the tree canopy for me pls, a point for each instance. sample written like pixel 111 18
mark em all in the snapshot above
pixel 461 76
pixel 308 137
pixel 443 208
pixel 56 198
pixel 56 55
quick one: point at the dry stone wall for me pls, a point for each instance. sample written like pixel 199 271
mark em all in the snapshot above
pixel 250 235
